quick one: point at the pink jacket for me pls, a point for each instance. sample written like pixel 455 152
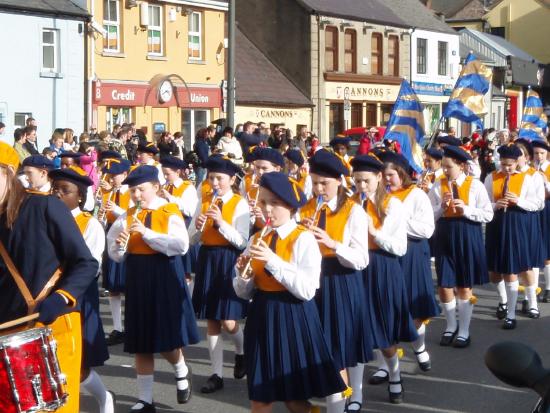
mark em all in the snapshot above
pixel 88 163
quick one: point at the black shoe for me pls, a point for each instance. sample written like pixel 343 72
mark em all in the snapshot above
pixel 533 313
pixel 396 398
pixel 356 407
pixel 502 311
pixel 239 370
pixel 461 342
pixel 104 293
pixel 374 380
pixel 214 383
pixel 116 337
pixel 545 297
pixel 509 324
pixel 447 338
pixel 147 408
pixel 424 365
pixel 524 307
pixel 185 395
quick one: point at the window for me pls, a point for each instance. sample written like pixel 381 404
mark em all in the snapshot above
pixel 421 56
pixel 331 49
pixel 385 112
pixel 376 54
pixel 499 31
pixel 195 36
pixel 154 31
pixel 442 58
pixel 356 115
pixel 393 56
pixel 20 119
pixel 336 119
pixel 50 50
pixel 111 24
pixel 191 122
pixel 371 115
pixel 350 51
pixel 117 116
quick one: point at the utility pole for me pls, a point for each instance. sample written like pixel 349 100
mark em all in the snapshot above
pixel 231 67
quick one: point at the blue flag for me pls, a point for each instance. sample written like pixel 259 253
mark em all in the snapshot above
pixel 533 121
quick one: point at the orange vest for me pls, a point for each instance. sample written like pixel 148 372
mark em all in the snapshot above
pixel 159 223
pixel 178 192
pixel 211 236
pixel 531 171
pixel 463 194
pixel 283 249
pixel 123 202
pixel 82 221
pixel 403 193
pixel 206 188
pixel 514 184
pixel 335 222
pixel 251 191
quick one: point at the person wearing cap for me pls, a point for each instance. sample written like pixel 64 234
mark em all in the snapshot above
pixel 283 323
pixel 444 140
pixel 461 205
pixel 68 159
pixel 387 305
pixel 296 168
pixel 69 185
pixel 338 224
pixel 44 225
pixel 541 164
pixel 158 316
pixel 513 195
pixel 433 171
pixel 221 224
pixel 35 169
pixel 530 279
pixel 146 156
pixel 115 201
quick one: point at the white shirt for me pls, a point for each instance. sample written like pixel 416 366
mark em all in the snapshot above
pixel 157 165
pixel 542 167
pixel 479 208
pixel 392 236
pixel 308 185
pixel 46 188
pixel 419 214
pixel 189 200
pixel 474 169
pixel 175 242
pixel 94 236
pixel 438 173
pixel 527 199
pixel 236 233
pixel 90 199
pixel 300 276
pixel 538 182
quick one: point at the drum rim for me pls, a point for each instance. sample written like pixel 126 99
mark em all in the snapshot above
pixel 23 337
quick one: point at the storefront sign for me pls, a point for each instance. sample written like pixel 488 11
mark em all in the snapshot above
pixel 370 92
pixel 276 113
pixel 432 89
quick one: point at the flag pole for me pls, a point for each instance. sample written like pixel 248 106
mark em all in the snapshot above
pixel 434 132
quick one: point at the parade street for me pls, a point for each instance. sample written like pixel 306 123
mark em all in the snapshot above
pixel 458 381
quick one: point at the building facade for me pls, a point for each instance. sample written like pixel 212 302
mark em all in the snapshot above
pixel 43 71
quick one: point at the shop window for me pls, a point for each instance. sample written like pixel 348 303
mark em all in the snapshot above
pixel 376 54
pixel 20 119
pixel 154 31
pixel 442 58
pixel 356 114
pixel 421 56
pixel 385 113
pixel 111 24
pixel 191 121
pixel 350 51
pixel 393 55
pixel 371 115
pixel 50 50
pixel 331 49
pixel 195 36
pixel 117 116
pixel 336 119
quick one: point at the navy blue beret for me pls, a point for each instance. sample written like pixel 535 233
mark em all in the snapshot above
pixel 38 161
pixel 221 164
pixel 434 153
pixel 296 156
pixel 75 155
pixel 270 155
pixel 449 140
pixel 396 159
pixel 108 155
pixel 285 188
pixel 250 155
pixel 72 174
pixel 116 166
pixel 326 163
pixel 456 153
pixel 528 145
pixel 142 174
pixel 509 152
pixel 149 147
pixel 538 143
pixel 366 163
pixel 172 162
pixel 340 140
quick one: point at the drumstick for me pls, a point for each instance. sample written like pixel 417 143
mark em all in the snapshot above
pixel 16 322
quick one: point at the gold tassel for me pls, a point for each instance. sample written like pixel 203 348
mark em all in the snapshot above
pixel 426 321
pixel 473 300
pixel 347 393
pixel 400 353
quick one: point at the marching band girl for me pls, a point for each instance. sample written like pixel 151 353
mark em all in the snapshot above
pixel 70 186
pixel 283 323
pixel 158 315
pixel 338 224
pixel 433 171
pixel 460 204
pixel 296 168
pixel 146 156
pixel 221 224
pixel 35 169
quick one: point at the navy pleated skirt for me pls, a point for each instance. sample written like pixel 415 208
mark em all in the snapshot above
pixel 94 346
pixel 545 228
pixel 341 304
pixel 536 242
pixel 460 259
pixel 190 259
pixel 387 302
pixel 213 295
pixel 158 314
pixel 114 280
pixel 507 242
pixel 287 357
pixel 417 274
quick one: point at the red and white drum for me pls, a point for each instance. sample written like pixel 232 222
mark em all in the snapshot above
pixel 30 378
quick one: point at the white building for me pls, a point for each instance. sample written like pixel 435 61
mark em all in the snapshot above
pixel 43 66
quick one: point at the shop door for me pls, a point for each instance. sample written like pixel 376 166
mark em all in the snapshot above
pixel 512 112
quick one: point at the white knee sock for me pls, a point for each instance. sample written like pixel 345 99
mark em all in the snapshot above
pixel 536 273
pixel 115 302
pixel 501 291
pixel 96 388
pixel 547 277
pixel 531 295
pixel 419 344
pixel 395 373
pixel 238 340
pixel 449 309
pixel 465 310
pixel 380 362
pixel 336 403
pixel 512 291
pixel 216 354
pixel 181 370
pixel 145 389
pixel 355 375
